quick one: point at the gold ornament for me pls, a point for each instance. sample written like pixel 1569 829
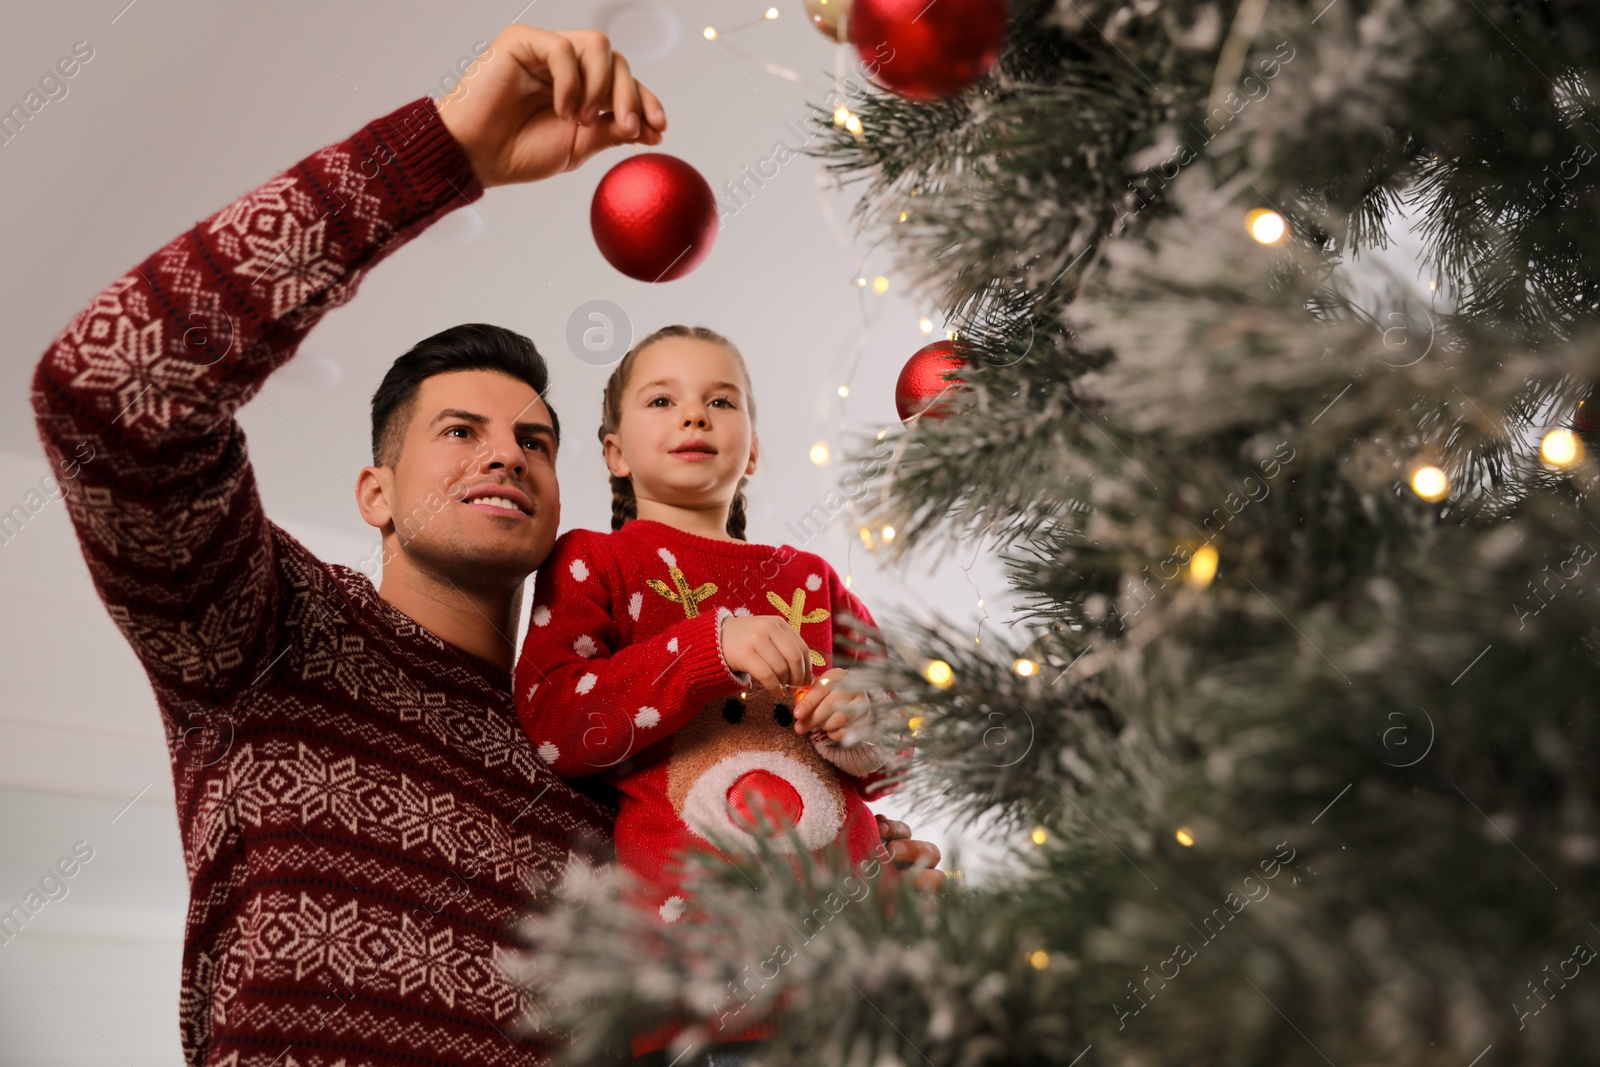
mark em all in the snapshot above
pixel 832 17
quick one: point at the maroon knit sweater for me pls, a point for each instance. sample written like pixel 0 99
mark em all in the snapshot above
pixel 361 813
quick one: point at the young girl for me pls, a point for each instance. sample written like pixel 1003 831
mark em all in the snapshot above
pixel 669 653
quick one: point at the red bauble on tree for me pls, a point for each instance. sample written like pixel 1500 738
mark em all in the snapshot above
pixel 1586 420
pixel 926 51
pixel 654 217
pixel 922 389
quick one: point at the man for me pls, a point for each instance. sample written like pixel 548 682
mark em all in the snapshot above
pixel 361 814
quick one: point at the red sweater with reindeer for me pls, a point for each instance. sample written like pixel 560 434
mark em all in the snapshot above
pixel 622 673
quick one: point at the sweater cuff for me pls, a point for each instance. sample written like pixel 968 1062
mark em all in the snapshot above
pixel 425 159
pixel 709 673
pixel 854 760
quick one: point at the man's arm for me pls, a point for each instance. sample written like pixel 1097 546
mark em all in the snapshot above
pixel 147 379
pixel 135 400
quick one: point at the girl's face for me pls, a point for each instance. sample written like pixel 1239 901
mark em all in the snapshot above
pixel 685 436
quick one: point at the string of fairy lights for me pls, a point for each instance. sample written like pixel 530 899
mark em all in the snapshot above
pixel 1560 448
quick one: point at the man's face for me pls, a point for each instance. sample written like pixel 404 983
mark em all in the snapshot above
pixel 473 497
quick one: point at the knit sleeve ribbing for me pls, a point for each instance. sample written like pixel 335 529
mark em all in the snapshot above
pixel 135 399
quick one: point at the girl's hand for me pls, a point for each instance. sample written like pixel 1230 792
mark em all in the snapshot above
pixel 539 103
pixel 766 648
pixel 828 706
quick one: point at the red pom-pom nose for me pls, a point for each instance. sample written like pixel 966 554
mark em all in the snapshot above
pixel 765 793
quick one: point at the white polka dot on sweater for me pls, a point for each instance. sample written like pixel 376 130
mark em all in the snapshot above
pixel 579 569
pixel 647 716
pixel 586 683
pixel 672 909
pixel 672 645
pixel 548 752
pixel 672 561
pixel 585 646
pixel 813 582
pixel 541 616
pixel 635 605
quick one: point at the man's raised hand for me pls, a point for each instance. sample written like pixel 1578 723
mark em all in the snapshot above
pixel 539 103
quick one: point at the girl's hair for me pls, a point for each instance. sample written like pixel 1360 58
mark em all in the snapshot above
pixel 624 505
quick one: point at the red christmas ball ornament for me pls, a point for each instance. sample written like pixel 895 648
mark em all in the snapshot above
pixel 1586 420
pixel 654 217
pixel 926 51
pixel 922 389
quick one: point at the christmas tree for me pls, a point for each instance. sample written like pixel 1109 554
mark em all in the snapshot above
pixel 1300 716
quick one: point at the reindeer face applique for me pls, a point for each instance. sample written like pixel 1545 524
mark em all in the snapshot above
pixel 738 757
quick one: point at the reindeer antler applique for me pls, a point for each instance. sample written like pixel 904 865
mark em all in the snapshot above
pixel 795 613
pixel 689 598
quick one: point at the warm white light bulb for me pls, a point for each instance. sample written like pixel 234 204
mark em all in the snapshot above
pixel 1561 448
pixel 1266 226
pixel 1430 483
pixel 711 33
pixel 819 453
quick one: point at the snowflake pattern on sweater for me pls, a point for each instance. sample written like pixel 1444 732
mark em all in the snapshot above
pixel 622 673
pixel 362 818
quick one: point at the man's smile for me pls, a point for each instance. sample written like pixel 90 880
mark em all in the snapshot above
pixel 496 499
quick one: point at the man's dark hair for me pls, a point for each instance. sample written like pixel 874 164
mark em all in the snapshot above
pixel 470 346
